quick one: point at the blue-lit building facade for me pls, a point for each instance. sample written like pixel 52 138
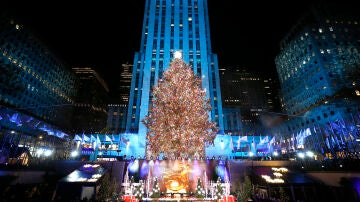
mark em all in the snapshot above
pixel 36 93
pixel 169 26
pixel 318 68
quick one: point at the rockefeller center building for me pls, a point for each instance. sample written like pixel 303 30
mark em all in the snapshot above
pixel 169 26
pixel 319 72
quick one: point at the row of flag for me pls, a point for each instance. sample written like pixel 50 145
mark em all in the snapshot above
pixel 262 142
pixel 86 139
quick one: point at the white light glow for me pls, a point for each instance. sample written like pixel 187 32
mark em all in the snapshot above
pixel 301 155
pixel 74 153
pixel 309 154
pixel 47 152
pixel 178 54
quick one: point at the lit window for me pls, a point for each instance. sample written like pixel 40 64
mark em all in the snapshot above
pixel 320 30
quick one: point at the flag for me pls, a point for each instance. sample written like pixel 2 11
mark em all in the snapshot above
pixel 125 141
pixel 85 138
pixel 327 142
pixel 107 139
pixel 253 145
pixel 92 138
pixel 98 142
pixel 263 141
pixel 270 144
pixel 272 141
pixel 231 144
pixel 243 138
pixel 77 138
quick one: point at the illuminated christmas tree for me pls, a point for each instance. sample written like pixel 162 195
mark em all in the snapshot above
pixel 199 192
pixel 138 190
pixel 219 190
pixel 178 121
pixel 155 193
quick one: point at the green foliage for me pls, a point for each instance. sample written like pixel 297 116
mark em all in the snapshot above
pixel 219 190
pixel 107 188
pixel 138 190
pixel 283 197
pixel 244 190
pixel 155 193
pixel 199 192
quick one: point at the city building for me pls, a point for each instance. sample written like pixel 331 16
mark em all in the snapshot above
pixel 117 113
pixel 171 26
pixel 116 120
pixel 90 111
pixel 33 79
pixel 36 95
pixel 125 83
pixel 318 68
pixel 253 95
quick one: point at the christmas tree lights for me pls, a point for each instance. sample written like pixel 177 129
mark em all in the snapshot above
pixel 199 192
pixel 178 121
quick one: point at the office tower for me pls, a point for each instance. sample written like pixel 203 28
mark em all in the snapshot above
pixel 271 94
pixel 32 78
pixel 243 89
pixel 125 82
pixel 117 113
pixel 169 26
pixel 90 111
pixel 37 94
pixel 318 68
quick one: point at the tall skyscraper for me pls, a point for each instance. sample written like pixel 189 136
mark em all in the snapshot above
pixel 90 112
pixel 245 90
pixel 117 113
pixel 169 26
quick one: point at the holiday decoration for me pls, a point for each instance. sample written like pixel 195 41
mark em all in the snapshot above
pixel 178 122
pixel 199 192
pixel 138 190
pixel 219 191
pixel 155 193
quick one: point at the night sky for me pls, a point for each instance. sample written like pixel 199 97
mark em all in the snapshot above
pixel 105 35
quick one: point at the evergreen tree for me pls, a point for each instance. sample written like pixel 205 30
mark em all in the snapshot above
pixel 139 190
pixel 106 188
pixel 219 190
pixel 283 196
pixel 178 121
pixel 199 192
pixel 155 192
pixel 245 189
